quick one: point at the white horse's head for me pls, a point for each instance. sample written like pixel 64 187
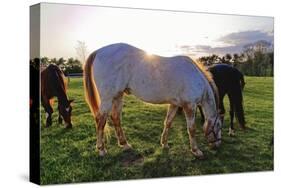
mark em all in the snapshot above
pixel 212 130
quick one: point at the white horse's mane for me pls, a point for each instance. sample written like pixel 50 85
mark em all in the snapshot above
pixel 210 79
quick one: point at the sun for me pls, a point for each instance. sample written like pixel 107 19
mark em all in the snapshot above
pixel 149 53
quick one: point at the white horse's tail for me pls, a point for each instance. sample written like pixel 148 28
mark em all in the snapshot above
pixel 91 92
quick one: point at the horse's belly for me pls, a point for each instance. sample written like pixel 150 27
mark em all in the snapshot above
pixel 153 100
pixel 154 94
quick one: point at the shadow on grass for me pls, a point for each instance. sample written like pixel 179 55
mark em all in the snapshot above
pixel 160 167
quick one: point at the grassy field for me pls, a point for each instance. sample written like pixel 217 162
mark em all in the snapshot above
pixel 70 155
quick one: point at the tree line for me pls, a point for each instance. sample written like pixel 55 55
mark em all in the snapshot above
pixel 257 59
pixel 68 66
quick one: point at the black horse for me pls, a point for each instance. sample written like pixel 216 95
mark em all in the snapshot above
pixel 53 85
pixel 229 81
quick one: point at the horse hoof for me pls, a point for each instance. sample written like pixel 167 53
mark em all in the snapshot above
pixel 127 147
pixel 102 153
pixel 231 132
pixel 198 153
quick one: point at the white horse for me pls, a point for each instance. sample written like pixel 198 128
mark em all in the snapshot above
pixel 112 70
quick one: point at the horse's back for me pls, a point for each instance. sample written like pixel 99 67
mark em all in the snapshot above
pixel 151 78
pixel 224 69
pixel 52 81
pixel 226 76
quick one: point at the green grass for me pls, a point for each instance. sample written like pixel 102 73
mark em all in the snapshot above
pixel 70 155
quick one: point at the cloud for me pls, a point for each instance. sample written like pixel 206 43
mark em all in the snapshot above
pixel 196 49
pixel 246 37
pixel 232 43
pixel 206 49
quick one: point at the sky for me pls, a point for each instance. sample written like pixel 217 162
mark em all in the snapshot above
pixel 165 33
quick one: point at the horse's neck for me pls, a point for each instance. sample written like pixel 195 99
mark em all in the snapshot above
pixel 209 104
pixel 60 90
pixel 62 99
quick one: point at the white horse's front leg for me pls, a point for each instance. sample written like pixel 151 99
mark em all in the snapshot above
pixel 189 111
pixel 193 144
pixel 171 113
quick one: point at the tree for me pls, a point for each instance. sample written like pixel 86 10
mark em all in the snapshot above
pixel 81 50
pixel 73 66
pixel 209 60
pixel 60 63
pixel 237 59
pixel 54 60
pixel 258 61
pixel 271 62
pixel 45 61
pixel 228 57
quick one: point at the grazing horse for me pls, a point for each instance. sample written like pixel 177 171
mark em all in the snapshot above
pixel 53 85
pixel 178 81
pixel 229 81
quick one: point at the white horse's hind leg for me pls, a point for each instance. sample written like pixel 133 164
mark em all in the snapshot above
pixel 189 111
pixel 171 113
pixel 116 118
pixel 101 121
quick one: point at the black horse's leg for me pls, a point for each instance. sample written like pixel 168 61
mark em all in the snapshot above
pixel 222 110
pixel 239 112
pixel 231 113
pixel 221 105
pixel 237 101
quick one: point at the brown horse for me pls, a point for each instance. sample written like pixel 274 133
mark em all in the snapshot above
pixel 53 85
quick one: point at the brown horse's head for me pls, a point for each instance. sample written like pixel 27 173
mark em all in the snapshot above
pixel 65 112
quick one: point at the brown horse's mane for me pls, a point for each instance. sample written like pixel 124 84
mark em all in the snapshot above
pixel 61 77
pixel 64 80
pixel 208 75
